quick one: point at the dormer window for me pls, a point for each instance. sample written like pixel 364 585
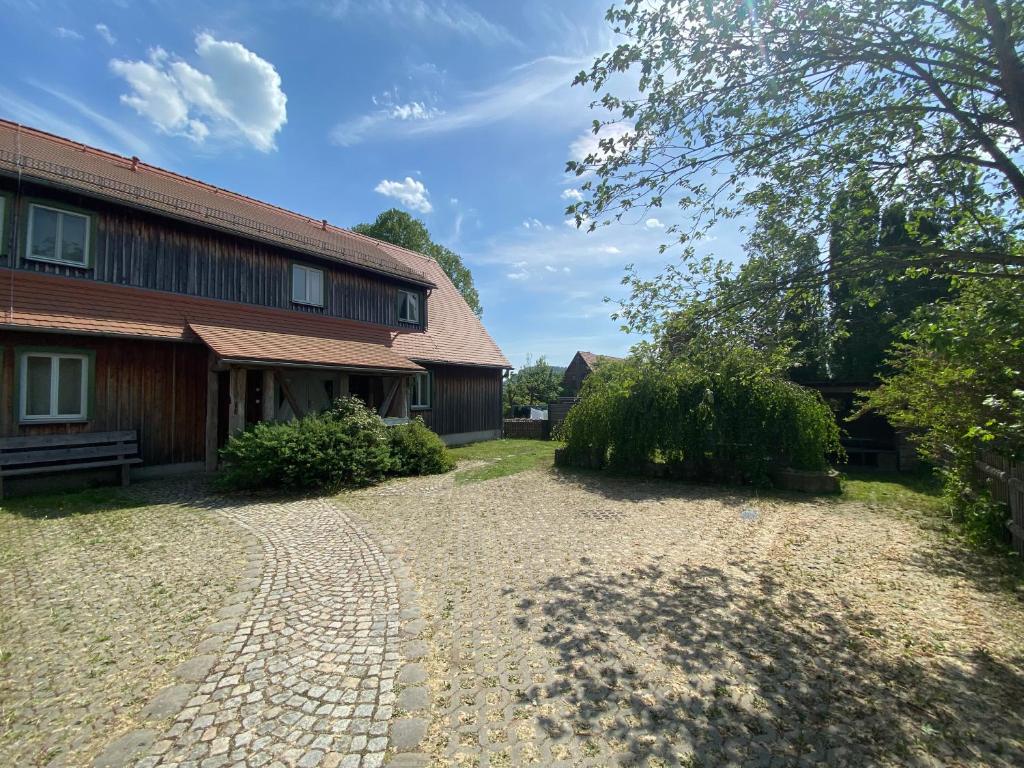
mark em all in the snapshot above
pixel 408 307
pixel 58 235
pixel 307 285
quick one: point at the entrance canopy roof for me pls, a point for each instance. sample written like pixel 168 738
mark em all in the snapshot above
pixel 244 345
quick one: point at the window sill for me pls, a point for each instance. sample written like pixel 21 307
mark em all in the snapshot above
pixel 74 264
pixel 307 304
pixel 419 407
pixel 28 422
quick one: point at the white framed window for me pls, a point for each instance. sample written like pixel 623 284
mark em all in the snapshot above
pixel 307 285
pixel 53 386
pixel 419 397
pixel 408 307
pixel 58 235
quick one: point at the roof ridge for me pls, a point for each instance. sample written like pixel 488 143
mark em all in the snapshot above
pixel 157 170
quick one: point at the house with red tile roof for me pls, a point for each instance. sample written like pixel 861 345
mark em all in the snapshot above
pixel 134 298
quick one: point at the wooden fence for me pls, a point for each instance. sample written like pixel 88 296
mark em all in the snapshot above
pixel 1004 479
pixel 526 429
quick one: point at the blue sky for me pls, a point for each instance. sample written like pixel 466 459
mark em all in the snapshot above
pixel 460 112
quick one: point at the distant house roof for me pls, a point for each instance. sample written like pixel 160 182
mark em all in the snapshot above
pixel 592 360
pixel 454 333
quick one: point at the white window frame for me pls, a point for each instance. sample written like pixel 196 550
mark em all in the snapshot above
pixel 421 385
pixel 413 301
pixel 307 271
pixel 53 416
pixel 59 243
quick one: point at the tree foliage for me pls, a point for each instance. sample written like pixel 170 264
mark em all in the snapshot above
pixel 957 384
pixel 536 383
pixel 401 229
pixel 734 421
pixel 774 106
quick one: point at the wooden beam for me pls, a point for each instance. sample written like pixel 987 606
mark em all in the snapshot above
pixel 289 395
pixel 386 405
pixel 211 417
pixel 406 385
pixel 269 396
pixel 236 413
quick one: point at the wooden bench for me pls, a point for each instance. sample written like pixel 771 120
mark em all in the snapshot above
pixel 56 453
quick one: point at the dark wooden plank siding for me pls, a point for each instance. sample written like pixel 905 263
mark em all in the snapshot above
pixel 147 251
pixel 465 399
pixel 155 388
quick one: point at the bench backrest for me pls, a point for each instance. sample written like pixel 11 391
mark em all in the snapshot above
pixel 67 449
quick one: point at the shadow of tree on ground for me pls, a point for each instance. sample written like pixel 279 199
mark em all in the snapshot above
pixel 708 666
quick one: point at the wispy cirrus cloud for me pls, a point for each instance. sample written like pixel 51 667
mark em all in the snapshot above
pixel 104 32
pixel 536 90
pixel 448 16
pixel 390 108
pixel 95 129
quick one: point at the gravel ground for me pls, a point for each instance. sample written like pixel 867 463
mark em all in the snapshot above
pixel 94 610
pixel 580 620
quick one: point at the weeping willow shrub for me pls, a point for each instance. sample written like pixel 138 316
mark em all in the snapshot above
pixel 735 422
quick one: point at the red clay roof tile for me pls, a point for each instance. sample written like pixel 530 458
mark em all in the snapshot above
pixel 240 344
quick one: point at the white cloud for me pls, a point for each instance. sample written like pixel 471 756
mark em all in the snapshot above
pixel 232 93
pixel 589 143
pixel 410 193
pixel 104 31
pixel 653 223
pixel 534 91
pixel 611 249
pixel 521 275
pixel 533 223
pixel 572 194
pixel 414 110
pixel 445 15
pixel 359 129
pixel 67 34
pixel 549 268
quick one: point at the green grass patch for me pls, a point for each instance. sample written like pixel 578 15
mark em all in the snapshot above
pixel 915 492
pixel 67 504
pixel 503 457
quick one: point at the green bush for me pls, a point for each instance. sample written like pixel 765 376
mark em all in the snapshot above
pixel 733 423
pixel 346 446
pixel 415 450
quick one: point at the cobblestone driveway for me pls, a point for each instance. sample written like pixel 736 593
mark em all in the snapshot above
pixel 301 669
pixel 587 621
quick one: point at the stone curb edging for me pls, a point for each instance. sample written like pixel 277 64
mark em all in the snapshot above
pixel 170 700
pixel 407 733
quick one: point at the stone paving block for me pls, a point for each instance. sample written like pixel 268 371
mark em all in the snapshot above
pixel 168 701
pixel 125 749
pixel 196 668
pixel 413 699
pixel 409 760
pixel 412 674
pixel 407 733
pixel 414 650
